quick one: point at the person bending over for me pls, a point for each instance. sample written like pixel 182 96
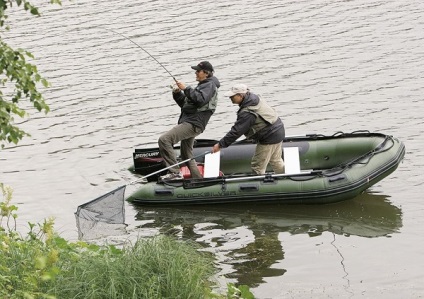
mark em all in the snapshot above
pixel 259 122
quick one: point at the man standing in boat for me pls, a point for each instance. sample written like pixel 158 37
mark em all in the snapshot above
pixel 197 106
pixel 259 122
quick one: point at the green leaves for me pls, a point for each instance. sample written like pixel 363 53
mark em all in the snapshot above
pixel 242 292
pixel 19 80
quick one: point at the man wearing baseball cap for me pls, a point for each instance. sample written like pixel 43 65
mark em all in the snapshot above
pixel 203 65
pixel 259 122
pixel 197 106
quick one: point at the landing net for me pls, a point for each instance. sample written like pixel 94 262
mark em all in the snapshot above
pixel 103 216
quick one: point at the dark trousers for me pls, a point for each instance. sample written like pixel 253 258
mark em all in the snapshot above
pixel 184 133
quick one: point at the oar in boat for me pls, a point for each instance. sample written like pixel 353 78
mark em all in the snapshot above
pixel 197 183
pixel 271 175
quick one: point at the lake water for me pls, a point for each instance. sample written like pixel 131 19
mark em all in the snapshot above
pixel 325 66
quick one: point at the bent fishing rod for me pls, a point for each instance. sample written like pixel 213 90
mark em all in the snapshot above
pixel 145 51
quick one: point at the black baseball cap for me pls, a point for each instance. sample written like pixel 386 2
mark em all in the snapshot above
pixel 203 65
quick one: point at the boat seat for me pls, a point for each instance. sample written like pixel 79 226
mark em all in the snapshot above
pixel 210 169
pixel 212 164
pixel 291 160
pixel 186 172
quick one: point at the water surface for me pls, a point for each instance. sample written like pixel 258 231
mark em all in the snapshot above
pixel 325 66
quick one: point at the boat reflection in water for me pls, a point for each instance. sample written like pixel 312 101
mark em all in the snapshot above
pixel 245 237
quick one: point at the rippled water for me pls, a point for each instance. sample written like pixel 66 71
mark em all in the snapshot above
pixel 325 66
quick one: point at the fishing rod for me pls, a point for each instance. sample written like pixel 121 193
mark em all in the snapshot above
pixel 145 51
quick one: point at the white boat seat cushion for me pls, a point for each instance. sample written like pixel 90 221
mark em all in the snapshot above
pixel 291 160
pixel 212 164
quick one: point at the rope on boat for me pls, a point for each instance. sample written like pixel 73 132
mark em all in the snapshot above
pixel 368 155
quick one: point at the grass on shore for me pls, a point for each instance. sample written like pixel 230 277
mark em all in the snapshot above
pixel 44 265
pixel 158 267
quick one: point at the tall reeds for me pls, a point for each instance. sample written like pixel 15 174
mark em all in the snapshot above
pixel 159 267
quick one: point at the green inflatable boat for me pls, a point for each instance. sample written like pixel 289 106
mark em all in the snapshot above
pixel 323 169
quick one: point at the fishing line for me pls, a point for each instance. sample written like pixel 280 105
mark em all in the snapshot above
pixel 144 51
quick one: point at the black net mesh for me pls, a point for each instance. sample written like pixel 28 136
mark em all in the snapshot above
pixel 103 216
